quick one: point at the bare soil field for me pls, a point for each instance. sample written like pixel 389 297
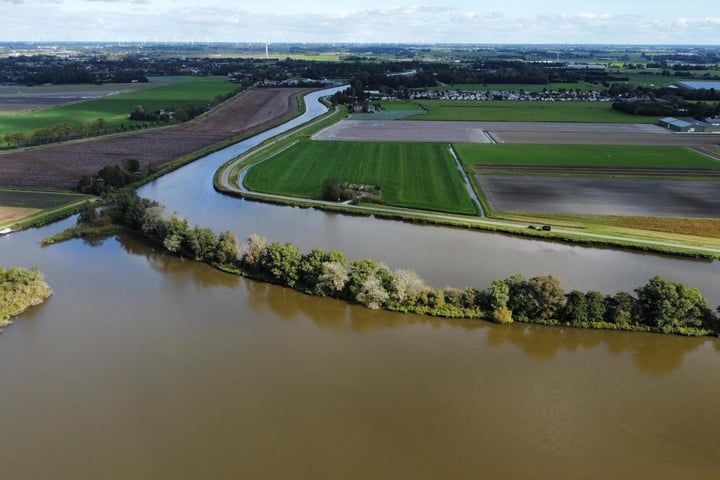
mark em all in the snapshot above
pixel 404 131
pixel 12 214
pixel 60 167
pixel 14 99
pixel 510 132
pixel 601 196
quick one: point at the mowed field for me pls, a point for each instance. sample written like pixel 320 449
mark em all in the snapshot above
pixel 612 156
pixel 415 175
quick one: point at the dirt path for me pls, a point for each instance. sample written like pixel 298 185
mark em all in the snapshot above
pixel 59 167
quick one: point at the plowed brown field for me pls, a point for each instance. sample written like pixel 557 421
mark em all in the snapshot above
pixel 60 167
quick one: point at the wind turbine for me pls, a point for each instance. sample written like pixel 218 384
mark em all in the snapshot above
pixel 267 53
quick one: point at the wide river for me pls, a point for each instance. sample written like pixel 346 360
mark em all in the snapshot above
pixel 145 366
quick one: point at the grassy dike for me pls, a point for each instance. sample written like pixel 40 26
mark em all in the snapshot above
pixel 588 230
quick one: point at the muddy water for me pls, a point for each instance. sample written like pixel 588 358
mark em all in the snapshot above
pixel 145 366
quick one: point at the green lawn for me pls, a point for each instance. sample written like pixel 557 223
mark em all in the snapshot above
pixel 521 111
pixel 115 109
pixel 410 174
pixel 583 155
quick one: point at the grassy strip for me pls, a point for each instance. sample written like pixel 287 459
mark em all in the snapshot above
pixel 530 111
pixel 83 232
pixel 616 156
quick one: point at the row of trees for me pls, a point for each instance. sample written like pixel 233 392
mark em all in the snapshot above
pixel 660 306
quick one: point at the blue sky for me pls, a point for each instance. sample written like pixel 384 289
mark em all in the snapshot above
pixel 366 21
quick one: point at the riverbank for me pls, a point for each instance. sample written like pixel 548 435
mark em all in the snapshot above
pixel 660 306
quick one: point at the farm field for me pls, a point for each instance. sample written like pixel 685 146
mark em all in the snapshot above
pixel 59 167
pixel 418 175
pixel 619 156
pixel 601 196
pixel 17 204
pixel 114 109
pixel 19 98
pixel 530 111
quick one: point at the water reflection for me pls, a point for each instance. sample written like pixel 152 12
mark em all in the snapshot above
pixel 181 272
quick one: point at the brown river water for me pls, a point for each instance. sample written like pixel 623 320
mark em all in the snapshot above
pixel 145 366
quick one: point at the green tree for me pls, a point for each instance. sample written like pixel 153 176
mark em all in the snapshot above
pixel 499 294
pixel 548 294
pixel 178 231
pixel 595 302
pixel 311 265
pixel 619 308
pixel 360 270
pixel 227 248
pixel 201 244
pixel 575 310
pixel 282 262
pixel 668 306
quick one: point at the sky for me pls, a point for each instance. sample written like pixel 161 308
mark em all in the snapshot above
pixel 635 22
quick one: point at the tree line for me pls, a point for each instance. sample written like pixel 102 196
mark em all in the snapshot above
pixel 658 306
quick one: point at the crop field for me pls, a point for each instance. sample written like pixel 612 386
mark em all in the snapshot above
pixel 620 156
pixel 415 175
pixel 61 166
pixel 16 204
pixel 530 111
pixel 19 98
pixel 114 109
pixel 601 196
pixel 39 200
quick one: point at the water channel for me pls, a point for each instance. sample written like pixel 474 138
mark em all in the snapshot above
pixel 146 366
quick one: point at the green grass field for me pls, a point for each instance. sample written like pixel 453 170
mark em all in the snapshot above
pixel 410 175
pixel 115 109
pixel 583 156
pixel 536 111
pixel 39 200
